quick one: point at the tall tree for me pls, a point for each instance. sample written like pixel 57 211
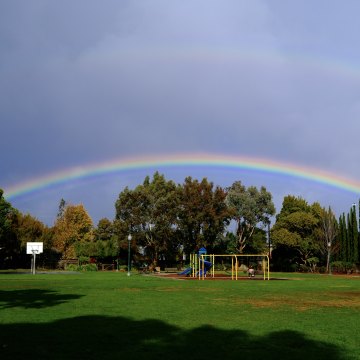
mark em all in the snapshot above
pixel 104 230
pixel 9 245
pixel 29 229
pixel 296 228
pixel 61 209
pixel 150 212
pixel 354 235
pixel 329 227
pixel 250 207
pixel 343 239
pixel 75 225
pixel 348 238
pixel 203 214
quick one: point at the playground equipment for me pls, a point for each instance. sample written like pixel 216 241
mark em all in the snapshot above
pixel 203 265
pixel 198 267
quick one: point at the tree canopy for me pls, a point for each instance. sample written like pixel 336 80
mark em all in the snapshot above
pixel 249 207
pixel 73 225
pixel 167 220
pixel 149 212
pixel 296 228
pixel 9 244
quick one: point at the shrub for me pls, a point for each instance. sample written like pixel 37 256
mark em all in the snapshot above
pixel 86 267
pixel 72 267
pixel 341 266
pixel 304 268
pixel 293 268
pixel 122 267
pixel 84 260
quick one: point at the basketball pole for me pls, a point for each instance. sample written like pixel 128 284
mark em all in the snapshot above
pixel 34 260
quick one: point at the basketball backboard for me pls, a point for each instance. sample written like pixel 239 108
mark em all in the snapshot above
pixel 34 248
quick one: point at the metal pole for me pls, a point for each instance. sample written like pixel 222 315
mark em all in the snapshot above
pixel 34 261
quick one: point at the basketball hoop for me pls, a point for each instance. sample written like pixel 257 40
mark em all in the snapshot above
pixel 34 248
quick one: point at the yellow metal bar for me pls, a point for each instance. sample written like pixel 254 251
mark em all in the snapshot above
pixel 233 267
pixel 212 257
pixel 213 265
pixel 264 260
pixel 203 267
pixel 199 265
pixel 236 267
pixel 194 265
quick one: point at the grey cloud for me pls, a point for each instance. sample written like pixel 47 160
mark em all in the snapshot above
pixel 85 81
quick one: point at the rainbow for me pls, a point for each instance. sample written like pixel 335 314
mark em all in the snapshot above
pixel 179 160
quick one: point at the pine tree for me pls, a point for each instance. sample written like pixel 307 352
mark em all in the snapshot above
pixel 349 238
pixel 344 239
pixel 355 235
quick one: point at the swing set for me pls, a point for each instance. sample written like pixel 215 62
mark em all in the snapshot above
pixel 203 265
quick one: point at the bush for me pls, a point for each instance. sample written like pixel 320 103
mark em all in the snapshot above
pixel 341 266
pixel 86 267
pixel 304 268
pixel 72 267
pixel 84 260
pixel 293 268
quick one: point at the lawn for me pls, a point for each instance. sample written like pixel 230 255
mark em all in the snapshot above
pixel 107 315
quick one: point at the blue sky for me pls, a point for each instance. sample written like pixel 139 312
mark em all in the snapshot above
pixel 88 81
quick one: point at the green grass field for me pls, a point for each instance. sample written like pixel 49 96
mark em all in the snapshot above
pixel 107 315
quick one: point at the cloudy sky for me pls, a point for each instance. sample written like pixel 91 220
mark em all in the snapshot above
pixel 87 81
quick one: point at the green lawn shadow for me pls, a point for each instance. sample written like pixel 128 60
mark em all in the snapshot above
pixel 33 298
pixel 100 337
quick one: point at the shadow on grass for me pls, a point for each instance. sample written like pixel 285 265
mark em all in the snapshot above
pixel 33 298
pixel 99 337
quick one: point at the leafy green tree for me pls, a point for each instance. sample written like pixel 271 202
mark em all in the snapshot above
pixel 101 249
pixel 150 213
pixel 348 237
pixel 296 228
pixel 29 229
pixel 203 214
pixel 344 252
pixel 250 207
pixel 9 244
pixel 353 235
pixel 104 230
pixel 225 244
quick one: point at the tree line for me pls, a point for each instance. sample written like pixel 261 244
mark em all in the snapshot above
pixel 168 221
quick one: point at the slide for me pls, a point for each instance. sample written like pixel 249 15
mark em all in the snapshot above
pixel 207 267
pixel 186 271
